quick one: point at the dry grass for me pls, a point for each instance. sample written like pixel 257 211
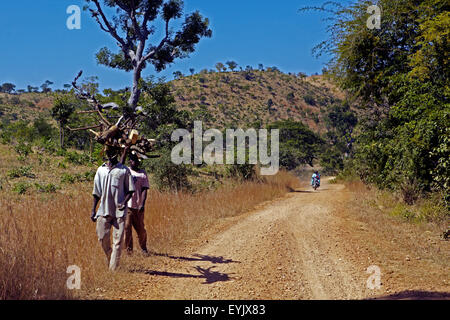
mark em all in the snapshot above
pixel 430 210
pixel 40 239
pixel 411 254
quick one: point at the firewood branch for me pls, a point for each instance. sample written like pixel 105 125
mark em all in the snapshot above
pixel 90 98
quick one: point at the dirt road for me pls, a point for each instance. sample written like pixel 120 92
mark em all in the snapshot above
pixel 297 247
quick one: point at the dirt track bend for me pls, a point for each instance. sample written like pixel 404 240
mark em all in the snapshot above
pixel 292 248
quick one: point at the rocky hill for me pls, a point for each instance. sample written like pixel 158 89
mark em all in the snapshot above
pixel 222 99
pixel 245 97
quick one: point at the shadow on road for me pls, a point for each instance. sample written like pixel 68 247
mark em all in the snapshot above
pixel 308 191
pixel 197 257
pixel 415 295
pixel 204 273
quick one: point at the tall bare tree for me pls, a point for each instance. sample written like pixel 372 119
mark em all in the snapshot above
pixel 132 26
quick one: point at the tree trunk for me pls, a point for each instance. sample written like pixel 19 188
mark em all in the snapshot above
pixel 60 135
pixel 90 150
pixel 62 139
pixel 135 91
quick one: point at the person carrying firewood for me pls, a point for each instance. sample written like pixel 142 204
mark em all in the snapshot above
pixel 113 188
pixel 136 205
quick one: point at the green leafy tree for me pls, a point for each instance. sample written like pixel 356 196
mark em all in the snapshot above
pixel 90 85
pixel 298 144
pixel 135 21
pixel 178 75
pixel 32 89
pixel 63 107
pixel 399 74
pixel 7 87
pixel 45 87
pixel 232 65
pixel 220 67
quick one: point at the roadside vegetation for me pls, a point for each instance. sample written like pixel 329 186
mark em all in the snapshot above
pixel 398 78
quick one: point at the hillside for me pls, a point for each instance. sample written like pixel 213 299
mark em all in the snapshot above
pixel 235 99
pixel 245 97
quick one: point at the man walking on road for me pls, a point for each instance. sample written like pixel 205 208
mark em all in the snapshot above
pixel 136 205
pixel 113 187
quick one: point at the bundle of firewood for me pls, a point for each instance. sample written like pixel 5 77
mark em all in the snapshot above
pixel 120 137
pixel 122 134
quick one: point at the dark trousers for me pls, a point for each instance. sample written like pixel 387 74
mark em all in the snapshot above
pixel 135 219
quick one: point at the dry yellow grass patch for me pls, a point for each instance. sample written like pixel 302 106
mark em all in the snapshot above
pixel 40 238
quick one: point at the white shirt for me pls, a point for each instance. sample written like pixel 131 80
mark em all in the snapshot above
pixel 112 186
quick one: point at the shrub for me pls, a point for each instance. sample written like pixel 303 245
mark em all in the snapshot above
pixel 309 99
pixel 331 161
pixel 47 144
pixel 78 177
pixel 290 96
pixel 76 158
pixel 48 188
pixel 21 187
pixel 24 171
pixel 241 171
pixel 167 175
pixel 67 178
pixel 23 149
pixel 89 175
pixel 402 210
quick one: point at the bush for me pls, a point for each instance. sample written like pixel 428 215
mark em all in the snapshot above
pixel 47 144
pixel 290 96
pixel 23 149
pixel 24 171
pixel 48 188
pixel 67 178
pixel 167 175
pixel 242 171
pixel 89 175
pixel 331 161
pixel 43 128
pixel 78 177
pixel 76 158
pixel 21 187
pixel 309 99
pixel 403 211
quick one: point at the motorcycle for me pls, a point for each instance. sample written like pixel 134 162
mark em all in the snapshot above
pixel 316 183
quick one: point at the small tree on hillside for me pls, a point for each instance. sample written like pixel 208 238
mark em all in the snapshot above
pixel 32 89
pixel 63 107
pixel 46 86
pixel 220 66
pixel 232 65
pixel 178 75
pixel 7 87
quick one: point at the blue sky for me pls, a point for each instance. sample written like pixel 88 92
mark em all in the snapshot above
pixel 36 44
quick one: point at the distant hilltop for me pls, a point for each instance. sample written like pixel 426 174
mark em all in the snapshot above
pixel 224 99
